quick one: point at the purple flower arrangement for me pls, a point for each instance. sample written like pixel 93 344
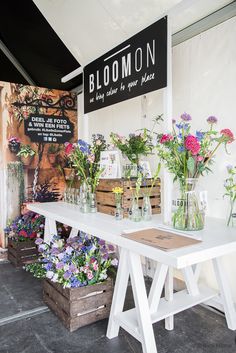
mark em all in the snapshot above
pixel 75 262
pixel 25 227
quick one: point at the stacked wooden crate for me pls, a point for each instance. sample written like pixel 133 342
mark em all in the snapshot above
pixel 77 307
pixel 106 198
pixel 21 253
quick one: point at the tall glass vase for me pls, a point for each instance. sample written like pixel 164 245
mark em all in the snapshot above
pixel 92 202
pixel 146 208
pixel 231 218
pixel 134 211
pixel 187 210
pixel 84 198
pixel 119 210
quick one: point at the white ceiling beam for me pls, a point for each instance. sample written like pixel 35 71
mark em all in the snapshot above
pixel 212 20
pixel 72 75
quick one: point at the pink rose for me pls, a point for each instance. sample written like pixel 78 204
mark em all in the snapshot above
pixel 192 144
pixel 166 138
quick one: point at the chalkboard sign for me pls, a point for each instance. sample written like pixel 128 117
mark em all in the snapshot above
pixel 135 67
pixel 48 128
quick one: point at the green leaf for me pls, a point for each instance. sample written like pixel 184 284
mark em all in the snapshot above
pixel 191 164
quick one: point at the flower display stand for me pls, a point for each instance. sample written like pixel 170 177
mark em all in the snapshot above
pixel 77 307
pixel 106 198
pixel 21 253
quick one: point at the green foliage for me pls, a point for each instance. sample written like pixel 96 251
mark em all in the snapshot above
pixel 36 269
pixel 15 169
pixel 135 146
pixel 53 148
pixel 26 151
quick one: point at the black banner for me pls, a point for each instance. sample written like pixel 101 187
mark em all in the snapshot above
pixel 135 67
pixel 49 128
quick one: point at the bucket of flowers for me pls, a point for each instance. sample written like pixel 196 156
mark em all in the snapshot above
pixel 188 156
pixel 21 233
pixel 77 283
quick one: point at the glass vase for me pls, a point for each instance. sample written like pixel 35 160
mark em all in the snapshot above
pixel 146 208
pixel 119 210
pixel 84 198
pixel 92 202
pixel 187 209
pixel 231 219
pixel 134 211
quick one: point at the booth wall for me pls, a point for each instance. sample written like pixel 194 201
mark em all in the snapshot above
pixel 204 76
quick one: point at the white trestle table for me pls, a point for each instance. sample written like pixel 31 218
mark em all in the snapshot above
pixel 217 241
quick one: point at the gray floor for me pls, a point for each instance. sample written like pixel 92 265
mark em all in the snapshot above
pixel 196 330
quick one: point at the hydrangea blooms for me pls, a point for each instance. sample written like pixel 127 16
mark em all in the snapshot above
pixel 23 228
pixel 77 262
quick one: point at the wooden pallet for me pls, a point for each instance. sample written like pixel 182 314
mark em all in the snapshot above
pixel 77 307
pixel 106 198
pixel 21 253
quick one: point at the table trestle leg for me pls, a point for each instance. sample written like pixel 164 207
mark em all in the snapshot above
pixel 169 293
pixel 225 293
pixel 141 304
pixel 50 230
pixel 157 286
pixel 190 280
pixel 119 294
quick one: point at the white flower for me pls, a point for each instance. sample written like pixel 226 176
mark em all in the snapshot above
pixel 55 278
pixel 49 274
pixel 66 267
pixel 102 276
pixel 114 262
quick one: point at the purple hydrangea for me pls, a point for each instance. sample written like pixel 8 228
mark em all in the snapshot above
pixel 38 241
pixel 67 275
pixel 59 265
pixel 212 120
pixel 185 117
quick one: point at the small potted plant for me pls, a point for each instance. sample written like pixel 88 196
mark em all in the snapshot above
pixel 52 153
pixel 21 233
pixel 77 285
pixel 14 145
pixel 26 154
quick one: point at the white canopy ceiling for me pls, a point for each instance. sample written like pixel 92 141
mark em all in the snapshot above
pixel 89 28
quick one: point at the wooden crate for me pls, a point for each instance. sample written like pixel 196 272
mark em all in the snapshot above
pixel 106 198
pixel 77 307
pixel 21 253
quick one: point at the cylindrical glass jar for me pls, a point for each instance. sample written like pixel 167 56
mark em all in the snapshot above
pixel 187 208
